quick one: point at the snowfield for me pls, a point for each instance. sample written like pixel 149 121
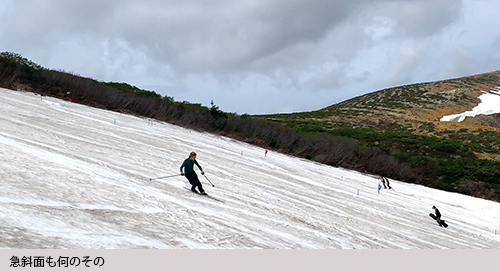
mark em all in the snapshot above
pixel 76 177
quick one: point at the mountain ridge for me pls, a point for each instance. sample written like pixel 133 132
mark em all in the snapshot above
pixel 427 102
pixel 412 105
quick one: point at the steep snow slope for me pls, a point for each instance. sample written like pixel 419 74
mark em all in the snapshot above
pixel 72 176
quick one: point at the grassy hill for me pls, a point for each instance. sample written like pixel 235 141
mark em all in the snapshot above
pixel 394 132
pixel 413 108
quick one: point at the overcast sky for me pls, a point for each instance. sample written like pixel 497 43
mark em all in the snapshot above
pixel 257 56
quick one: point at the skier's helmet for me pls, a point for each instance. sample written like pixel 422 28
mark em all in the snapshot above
pixel 192 154
pixel 434 207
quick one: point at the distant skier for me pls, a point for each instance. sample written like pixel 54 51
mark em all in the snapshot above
pixel 438 215
pixel 387 182
pixel 190 174
pixel 69 98
pixel 383 181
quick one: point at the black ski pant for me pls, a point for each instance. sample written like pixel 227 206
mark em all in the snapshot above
pixel 195 182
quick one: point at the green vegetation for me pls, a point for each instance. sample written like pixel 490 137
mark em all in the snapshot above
pixel 445 160
pixel 124 87
pixel 21 60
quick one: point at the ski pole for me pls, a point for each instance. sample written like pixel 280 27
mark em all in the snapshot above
pixel 165 177
pixel 209 181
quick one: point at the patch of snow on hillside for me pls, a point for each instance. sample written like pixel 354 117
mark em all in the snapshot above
pixel 490 104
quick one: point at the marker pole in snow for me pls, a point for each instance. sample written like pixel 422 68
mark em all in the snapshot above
pixel 165 177
pixel 209 181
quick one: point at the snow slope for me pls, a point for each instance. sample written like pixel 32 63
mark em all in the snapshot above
pixel 78 177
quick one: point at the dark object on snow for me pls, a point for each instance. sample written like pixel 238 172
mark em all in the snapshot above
pixel 383 181
pixel 437 217
pixel 387 182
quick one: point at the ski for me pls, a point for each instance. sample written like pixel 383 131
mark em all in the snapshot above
pixel 206 195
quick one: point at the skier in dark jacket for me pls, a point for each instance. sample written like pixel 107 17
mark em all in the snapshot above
pixel 438 215
pixel 190 174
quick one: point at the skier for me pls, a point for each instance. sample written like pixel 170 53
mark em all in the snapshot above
pixel 69 98
pixel 190 174
pixel 387 181
pixel 383 181
pixel 438 215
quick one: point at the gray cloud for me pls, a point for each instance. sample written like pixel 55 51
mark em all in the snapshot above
pixel 423 18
